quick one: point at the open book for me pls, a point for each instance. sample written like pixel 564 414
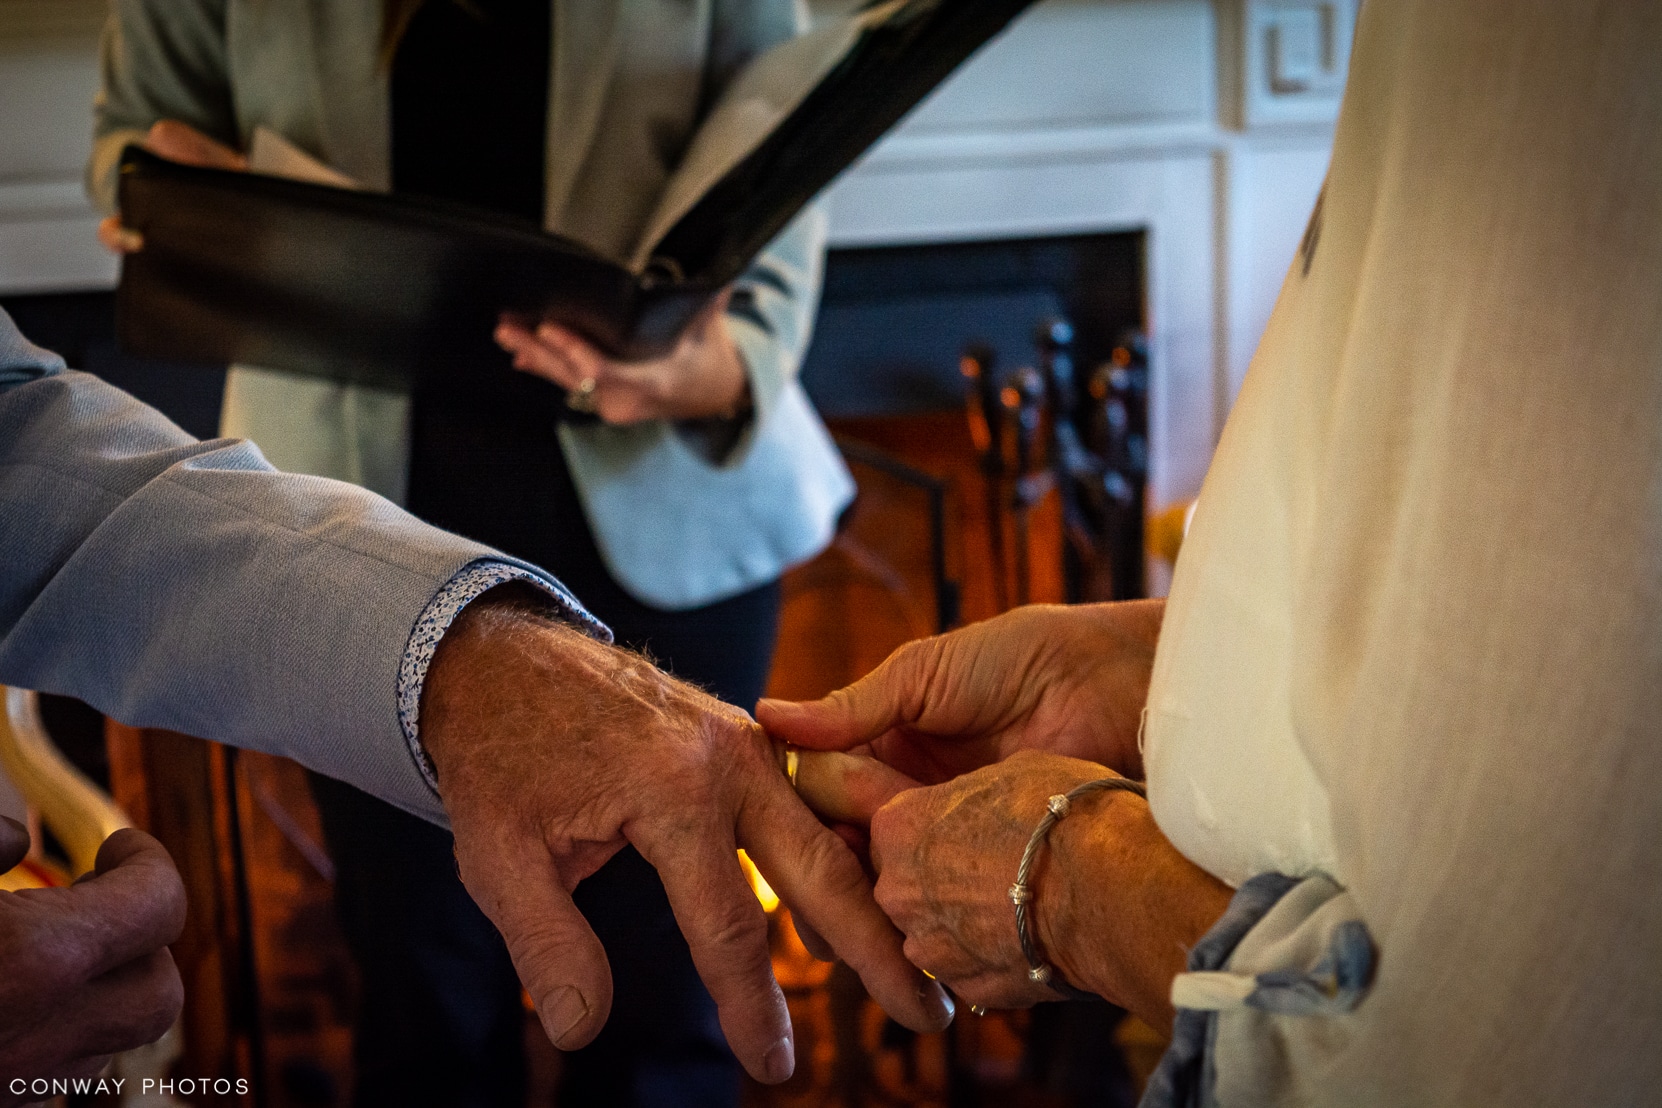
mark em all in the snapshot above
pixel 316 277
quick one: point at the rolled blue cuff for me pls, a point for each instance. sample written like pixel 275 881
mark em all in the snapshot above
pixel 471 582
pixel 1329 976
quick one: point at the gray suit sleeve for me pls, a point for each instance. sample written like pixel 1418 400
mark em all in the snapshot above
pixel 186 585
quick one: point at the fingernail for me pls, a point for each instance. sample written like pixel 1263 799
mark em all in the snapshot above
pixel 937 1004
pixel 564 1009
pixel 780 1062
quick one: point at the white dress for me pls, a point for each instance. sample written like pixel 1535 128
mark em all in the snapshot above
pixel 1414 640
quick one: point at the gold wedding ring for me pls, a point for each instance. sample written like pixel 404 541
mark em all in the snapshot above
pixel 581 398
pixel 977 1010
pixel 793 763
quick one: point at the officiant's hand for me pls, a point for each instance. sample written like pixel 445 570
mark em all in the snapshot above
pixel 553 750
pixel 702 378
pixel 179 142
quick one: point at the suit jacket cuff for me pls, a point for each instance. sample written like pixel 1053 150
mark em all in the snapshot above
pixel 470 582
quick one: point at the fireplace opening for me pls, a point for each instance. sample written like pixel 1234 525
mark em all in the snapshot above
pixel 895 325
pixel 894 319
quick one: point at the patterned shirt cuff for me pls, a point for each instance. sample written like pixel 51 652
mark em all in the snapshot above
pixel 473 580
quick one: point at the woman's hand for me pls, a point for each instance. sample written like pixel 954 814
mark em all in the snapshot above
pixel 178 142
pixel 702 378
pixel 945 858
pixel 1067 680
pixel 1116 906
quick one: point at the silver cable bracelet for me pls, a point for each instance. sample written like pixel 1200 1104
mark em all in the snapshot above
pixel 1057 807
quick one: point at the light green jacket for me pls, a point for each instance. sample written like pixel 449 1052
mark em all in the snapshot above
pixel 629 78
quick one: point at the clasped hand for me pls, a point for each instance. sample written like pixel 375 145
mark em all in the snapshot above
pixel 701 378
pixel 971 732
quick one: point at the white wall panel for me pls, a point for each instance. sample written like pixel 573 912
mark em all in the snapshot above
pixel 1082 63
pixel 48 74
pixel 46 89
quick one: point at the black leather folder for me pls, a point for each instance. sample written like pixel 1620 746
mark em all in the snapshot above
pixel 385 289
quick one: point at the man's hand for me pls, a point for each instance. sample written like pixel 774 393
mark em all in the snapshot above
pixel 553 750
pixel 85 971
pixel 702 378
pixel 182 143
pixel 1067 680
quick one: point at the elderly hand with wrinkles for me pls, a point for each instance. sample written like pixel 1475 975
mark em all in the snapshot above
pixel 554 750
pixel 975 730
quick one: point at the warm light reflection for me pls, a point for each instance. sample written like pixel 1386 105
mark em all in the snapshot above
pixel 759 884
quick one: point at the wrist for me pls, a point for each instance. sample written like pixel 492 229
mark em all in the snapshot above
pixel 1073 875
pixel 491 642
pixel 471 585
pixel 1119 908
pixel 722 391
pixel 1135 624
pixel 1129 634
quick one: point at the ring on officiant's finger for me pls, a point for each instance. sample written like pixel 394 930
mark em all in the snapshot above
pixel 793 763
pixel 581 398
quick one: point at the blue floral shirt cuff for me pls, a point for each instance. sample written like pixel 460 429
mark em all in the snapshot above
pixel 471 582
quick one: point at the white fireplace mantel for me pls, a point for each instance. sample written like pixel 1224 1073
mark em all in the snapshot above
pixel 1205 123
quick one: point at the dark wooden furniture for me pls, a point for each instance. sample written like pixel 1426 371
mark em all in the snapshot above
pixel 182 790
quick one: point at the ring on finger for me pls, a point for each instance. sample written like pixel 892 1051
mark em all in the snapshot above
pixel 977 1010
pixel 793 763
pixel 582 399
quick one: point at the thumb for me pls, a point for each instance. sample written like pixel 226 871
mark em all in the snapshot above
pixel 889 696
pixel 14 843
pixel 554 951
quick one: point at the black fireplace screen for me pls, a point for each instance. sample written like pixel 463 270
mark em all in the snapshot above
pixel 1050 330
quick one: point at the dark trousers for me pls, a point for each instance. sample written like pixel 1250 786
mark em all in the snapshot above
pixel 440 1021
